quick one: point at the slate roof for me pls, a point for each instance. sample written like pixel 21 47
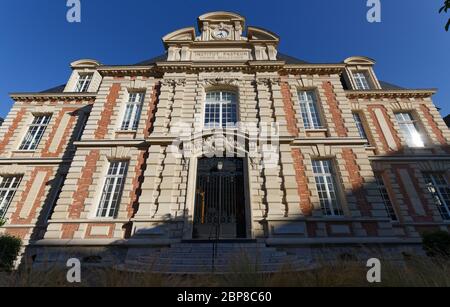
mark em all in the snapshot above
pixel 56 89
pixel 390 86
pixel 281 56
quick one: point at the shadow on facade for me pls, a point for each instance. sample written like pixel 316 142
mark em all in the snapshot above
pixel 57 182
pixel 307 237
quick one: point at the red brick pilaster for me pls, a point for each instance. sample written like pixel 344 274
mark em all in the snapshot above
pixel 152 106
pixel 336 113
pixel 84 184
pixel 38 202
pixel 434 127
pixel 107 113
pixel 357 181
pixel 380 131
pixel 12 129
pixel 302 182
pixel 67 132
pixel 289 109
pixel 134 194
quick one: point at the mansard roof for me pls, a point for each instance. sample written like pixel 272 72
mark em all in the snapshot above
pixel 56 89
pixel 163 57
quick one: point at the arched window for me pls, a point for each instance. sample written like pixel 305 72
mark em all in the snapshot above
pixel 220 109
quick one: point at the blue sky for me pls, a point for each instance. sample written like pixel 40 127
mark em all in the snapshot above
pixel 37 43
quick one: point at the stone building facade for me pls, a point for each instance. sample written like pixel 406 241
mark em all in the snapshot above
pixel 223 138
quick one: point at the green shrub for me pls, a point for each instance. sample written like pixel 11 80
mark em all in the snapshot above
pixel 9 250
pixel 437 244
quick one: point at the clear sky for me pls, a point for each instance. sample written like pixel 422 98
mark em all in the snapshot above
pixel 37 43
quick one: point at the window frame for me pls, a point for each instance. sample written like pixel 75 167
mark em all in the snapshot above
pixel 82 85
pixel 330 209
pixel 35 136
pixel 132 124
pixel 10 192
pixel 439 199
pixel 360 124
pixel 359 84
pixel 384 193
pixel 112 205
pixel 406 130
pixel 308 121
pixel 221 103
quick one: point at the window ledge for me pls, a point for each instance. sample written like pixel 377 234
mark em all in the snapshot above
pixel 372 148
pixel 317 130
pixel 23 151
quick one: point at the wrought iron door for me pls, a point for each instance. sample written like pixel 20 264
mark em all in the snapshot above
pixel 220 199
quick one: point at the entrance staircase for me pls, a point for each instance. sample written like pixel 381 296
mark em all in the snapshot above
pixel 206 257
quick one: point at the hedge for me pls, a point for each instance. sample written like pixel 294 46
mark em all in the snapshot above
pixel 9 251
pixel 437 244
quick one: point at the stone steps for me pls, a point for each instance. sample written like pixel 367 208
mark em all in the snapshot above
pixel 191 258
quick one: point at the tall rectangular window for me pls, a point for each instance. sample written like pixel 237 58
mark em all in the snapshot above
pixel 360 125
pixel 361 81
pixel 385 196
pixel 309 110
pixel 83 83
pixel 220 110
pixel 326 186
pixel 8 188
pixel 409 129
pixel 35 132
pixel 113 188
pixel 133 111
pixel 440 189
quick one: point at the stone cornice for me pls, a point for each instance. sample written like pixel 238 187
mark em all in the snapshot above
pixel 111 143
pixel 410 93
pixel 313 68
pixel 248 66
pixel 52 96
pixel 33 161
pixel 145 70
pixel 409 158
pixel 329 141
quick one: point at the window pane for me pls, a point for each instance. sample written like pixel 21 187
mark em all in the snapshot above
pixel 133 111
pixel 440 190
pixel 360 125
pixel 308 108
pixel 220 110
pixel 112 190
pixel 8 188
pixel 83 83
pixel 35 132
pixel 361 81
pixel 409 130
pixel 326 187
pixel 385 196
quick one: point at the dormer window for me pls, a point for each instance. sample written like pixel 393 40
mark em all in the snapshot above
pixel 84 81
pixel 361 80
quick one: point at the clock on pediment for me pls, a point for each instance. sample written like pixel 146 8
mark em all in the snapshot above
pixel 217 26
pixel 220 34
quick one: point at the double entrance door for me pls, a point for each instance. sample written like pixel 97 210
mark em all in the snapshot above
pixel 220 199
